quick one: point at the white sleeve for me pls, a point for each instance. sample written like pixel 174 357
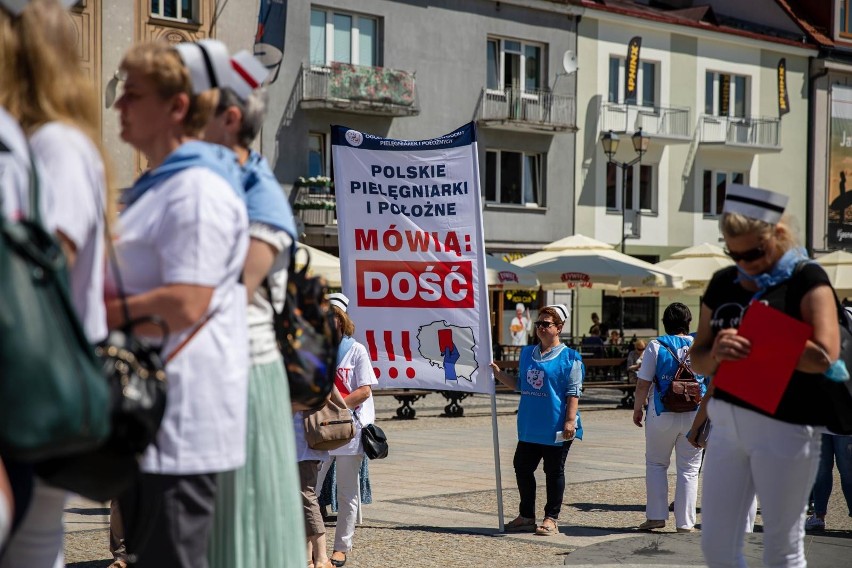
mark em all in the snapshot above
pixel 72 175
pixel 648 368
pixel 5 518
pixel 362 367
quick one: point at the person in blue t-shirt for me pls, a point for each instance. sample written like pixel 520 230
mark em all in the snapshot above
pixel 551 377
pixel 665 430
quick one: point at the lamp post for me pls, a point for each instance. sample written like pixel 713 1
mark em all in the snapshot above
pixel 609 142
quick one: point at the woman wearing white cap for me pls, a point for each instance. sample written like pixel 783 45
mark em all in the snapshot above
pixel 749 450
pixel 520 325
pixel 258 519
pixel 354 380
pixel 38 50
pixel 181 246
pixel 550 379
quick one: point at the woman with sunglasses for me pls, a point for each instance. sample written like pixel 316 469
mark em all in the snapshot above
pixel 550 378
pixel 750 451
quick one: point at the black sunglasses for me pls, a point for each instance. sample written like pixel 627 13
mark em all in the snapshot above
pixel 749 255
pixel 543 324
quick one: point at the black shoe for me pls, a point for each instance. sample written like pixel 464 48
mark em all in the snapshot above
pixel 339 563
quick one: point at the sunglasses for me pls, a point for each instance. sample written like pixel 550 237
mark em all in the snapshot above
pixel 543 324
pixel 749 255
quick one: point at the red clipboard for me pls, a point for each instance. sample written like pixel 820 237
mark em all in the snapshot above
pixel 777 342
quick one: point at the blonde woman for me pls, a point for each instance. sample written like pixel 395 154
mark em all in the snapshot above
pixel 181 244
pixel 44 88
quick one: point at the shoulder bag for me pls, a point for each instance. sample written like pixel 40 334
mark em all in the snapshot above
pixel 53 399
pixel 375 441
pixel 329 427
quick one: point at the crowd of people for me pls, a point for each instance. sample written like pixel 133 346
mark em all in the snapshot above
pixel 203 242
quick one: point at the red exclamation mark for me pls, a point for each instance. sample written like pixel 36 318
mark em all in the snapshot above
pixel 374 352
pixel 392 372
pixel 406 350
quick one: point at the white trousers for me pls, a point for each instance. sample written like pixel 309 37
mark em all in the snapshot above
pixel 39 541
pixel 663 434
pixel 750 453
pixel 348 497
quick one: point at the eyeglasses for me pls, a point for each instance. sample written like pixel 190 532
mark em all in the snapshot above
pixel 749 255
pixel 543 324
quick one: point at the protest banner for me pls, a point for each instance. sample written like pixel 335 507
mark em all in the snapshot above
pixel 412 257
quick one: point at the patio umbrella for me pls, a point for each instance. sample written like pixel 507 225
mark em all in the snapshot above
pixel 502 275
pixel 581 262
pixel 838 266
pixel 696 264
pixel 321 264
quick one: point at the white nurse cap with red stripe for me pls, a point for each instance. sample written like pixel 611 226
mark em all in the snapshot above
pixel 248 74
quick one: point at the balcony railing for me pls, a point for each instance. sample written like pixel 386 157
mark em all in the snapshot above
pixel 659 122
pixel 527 110
pixel 359 89
pixel 314 204
pixel 743 132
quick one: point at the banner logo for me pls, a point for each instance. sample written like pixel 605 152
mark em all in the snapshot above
pixel 354 138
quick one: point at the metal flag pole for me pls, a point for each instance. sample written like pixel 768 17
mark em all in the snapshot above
pixel 496 442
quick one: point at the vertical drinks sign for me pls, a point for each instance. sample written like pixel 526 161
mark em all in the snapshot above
pixel 412 257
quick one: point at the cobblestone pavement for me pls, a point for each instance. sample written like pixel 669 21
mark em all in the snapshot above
pixel 453 523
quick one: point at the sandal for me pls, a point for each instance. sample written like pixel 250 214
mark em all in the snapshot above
pixel 336 562
pixel 520 524
pixel 548 527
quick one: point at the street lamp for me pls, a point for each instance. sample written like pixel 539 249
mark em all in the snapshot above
pixel 609 142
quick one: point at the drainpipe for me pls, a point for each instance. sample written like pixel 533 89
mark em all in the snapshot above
pixel 809 166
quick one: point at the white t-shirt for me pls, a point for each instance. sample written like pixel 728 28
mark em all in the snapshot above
pixel 15 174
pixel 263 348
pixel 303 451
pixel 354 371
pixel 193 229
pixel 73 172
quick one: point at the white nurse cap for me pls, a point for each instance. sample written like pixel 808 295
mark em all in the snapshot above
pixel 755 203
pixel 208 62
pixel 248 73
pixel 339 300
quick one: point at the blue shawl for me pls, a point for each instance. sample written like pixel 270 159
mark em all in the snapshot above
pixel 781 271
pixel 265 199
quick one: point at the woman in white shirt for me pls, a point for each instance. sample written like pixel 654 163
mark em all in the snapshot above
pixel 354 380
pixel 39 52
pixel 181 244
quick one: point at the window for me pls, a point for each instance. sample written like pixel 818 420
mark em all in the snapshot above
pixel 725 95
pixel 640 187
pixel 316 154
pixel 845 17
pixel 714 189
pixel 514 64
pixel 513 178
pixel 175 9
pixel 646 90
pixel 343 37
pixel 639 313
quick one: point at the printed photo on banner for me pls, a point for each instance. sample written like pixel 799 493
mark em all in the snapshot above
pixel 413 257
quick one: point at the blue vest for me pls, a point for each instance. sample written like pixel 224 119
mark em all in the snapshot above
pixel 544 386
pixel 667 367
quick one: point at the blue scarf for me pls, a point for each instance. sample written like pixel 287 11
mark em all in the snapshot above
pixel 214 157
pixel 780 272
pixel 264 197
pixel 345 345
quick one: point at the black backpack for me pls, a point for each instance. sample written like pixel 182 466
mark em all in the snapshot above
pixel 684 392
pixel 307 336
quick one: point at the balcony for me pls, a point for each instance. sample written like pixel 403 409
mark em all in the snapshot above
pixel 754 134
pixel 661 123
pixel 314 204
pixel 538 110
pixel 359 89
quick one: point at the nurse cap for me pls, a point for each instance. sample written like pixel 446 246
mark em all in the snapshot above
pixel 755 203
pixel 339 300
pixel 208 62
pixel 560 309
pixel 248 73
pixel 17 6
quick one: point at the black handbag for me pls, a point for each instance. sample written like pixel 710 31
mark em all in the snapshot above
pixel 135 373
pixel 53 400
pixel 375 442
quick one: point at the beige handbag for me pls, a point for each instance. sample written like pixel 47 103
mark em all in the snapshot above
pixel 329 427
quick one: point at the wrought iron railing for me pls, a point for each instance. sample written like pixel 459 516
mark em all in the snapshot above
pixel 536 107
pixel 370 87
pixel 670 122
pixel 762 132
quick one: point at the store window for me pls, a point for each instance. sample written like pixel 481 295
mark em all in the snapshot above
pixel 513 178
pixel 514 64
pixel 343 37
pixel 316 155
pixel 646 91
pixel 715 185
pixel 845 24
pixel 639 313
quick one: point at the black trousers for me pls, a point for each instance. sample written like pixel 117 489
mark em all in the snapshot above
pixel 168 519
pixel 527 458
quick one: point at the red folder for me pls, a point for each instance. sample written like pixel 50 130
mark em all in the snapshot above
pixel 777 342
